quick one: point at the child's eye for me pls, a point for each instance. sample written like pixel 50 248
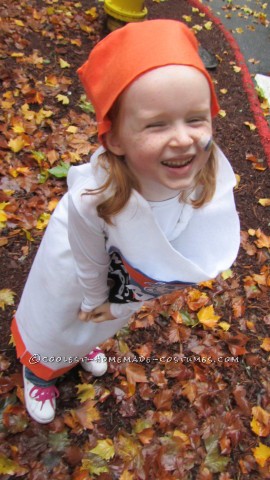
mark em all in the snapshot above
pixel 196 120
pixel 155 125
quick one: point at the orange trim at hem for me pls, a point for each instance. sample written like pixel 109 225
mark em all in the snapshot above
pixel 26 358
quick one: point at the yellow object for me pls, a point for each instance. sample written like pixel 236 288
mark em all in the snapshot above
pixel 125 11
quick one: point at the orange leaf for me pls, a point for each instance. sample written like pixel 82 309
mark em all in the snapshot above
pixel 196 299
pixel 207 317
pixel 163 400
pixel 260 422
pixel 135 374
pixel 261 454
pixel 265 345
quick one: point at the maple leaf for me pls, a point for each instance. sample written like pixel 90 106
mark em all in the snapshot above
pixel 207 317
pixel 214 461
pixel 104 449
pixel 261 454
pixel 18 143
pixel 260 422
pixel 63 99
pixel 135 374
pixel 196 299
pixel 127 447
pixel 86 391
pixel 6 297
pixel 86 414
pixel 10 467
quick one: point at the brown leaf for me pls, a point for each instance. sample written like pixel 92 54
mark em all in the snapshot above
pixel 135 374
pixel 163 400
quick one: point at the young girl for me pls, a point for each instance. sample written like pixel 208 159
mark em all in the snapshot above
pixel 151 212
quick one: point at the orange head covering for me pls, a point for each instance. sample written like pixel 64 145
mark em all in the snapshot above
pixel 117 60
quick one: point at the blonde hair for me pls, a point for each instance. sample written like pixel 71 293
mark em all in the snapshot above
pixel 121 181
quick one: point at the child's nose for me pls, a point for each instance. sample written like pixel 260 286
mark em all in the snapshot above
pixel 181 136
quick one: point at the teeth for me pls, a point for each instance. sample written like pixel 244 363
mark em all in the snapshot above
pixel 177 164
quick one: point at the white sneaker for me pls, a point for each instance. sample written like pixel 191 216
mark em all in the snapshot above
pixel 40 401
pixel 95 362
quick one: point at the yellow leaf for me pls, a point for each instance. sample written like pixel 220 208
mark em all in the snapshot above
pixel 126 475
pixel 28 114
pixel 265 202
pixel 17 55
pixel 42 115
pixel 86 414
pixel 195 10
pixel 224 325
pixel 92 12
pixel 261 454
pixel 250 125
pixel 63 63
pixel 17 144
pixel 251 232
pixel 43 221
pixel 72 129
pixel 227 274
pixel 182 435
pixel 260 422
pixel 237 69
pixel 239 30
pixel 238 180
pixel 52 204
pixel 187 18
pixel 265 345
pixel 222 113
pixel 19 23
pixel 207 317
pixel 10 467
pixel 197 28
pixel 3 215
pixel 6 297
pixel 86 28
pixel 63 99
pixel 208 25
pixel 207 284
pixel 223 90
pixel 86 391
pixel 104 449
pixel 18 127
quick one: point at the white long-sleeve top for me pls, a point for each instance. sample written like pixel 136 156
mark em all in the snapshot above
pixel 162 245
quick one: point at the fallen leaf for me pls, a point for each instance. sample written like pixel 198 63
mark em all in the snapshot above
pixel 63 63
pixel 207 317
pixel 6 298
pixel 104 449
pixel 265 202
pixel 260 422
pixel 261 454
pixel 265 345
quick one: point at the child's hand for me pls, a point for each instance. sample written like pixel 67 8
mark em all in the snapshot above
pixel 98 315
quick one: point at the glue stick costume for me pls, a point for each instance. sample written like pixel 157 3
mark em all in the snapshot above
pixel 150 248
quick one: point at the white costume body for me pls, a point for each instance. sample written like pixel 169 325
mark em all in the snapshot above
pixel 167 242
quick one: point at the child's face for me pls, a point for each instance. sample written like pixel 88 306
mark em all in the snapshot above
pixel 163 117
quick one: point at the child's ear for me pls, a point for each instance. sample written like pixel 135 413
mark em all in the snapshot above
pixel 113 143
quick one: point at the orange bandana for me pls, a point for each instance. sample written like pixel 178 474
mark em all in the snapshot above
pixel 116 61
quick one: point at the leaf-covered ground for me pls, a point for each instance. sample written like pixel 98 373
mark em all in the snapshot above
pixel 187 394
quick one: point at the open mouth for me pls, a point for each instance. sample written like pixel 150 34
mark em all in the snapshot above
pixel 177 164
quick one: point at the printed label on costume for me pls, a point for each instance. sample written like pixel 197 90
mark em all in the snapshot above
pixel 128 284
